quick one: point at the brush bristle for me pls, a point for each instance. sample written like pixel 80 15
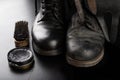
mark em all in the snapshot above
pixel 21 30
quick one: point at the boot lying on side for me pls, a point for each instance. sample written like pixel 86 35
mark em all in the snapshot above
pixel 85 39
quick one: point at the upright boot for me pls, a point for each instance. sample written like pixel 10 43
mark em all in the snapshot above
pixel 48 32
pixel 85 39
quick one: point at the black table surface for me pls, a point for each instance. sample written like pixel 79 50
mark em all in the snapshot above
pixel 46 68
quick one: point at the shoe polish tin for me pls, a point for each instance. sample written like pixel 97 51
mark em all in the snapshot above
pixel 20 58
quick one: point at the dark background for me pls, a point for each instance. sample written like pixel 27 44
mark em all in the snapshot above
pixel 47 68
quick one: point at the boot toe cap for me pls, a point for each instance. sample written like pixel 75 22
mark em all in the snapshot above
pixel 47 38
pixel 83 51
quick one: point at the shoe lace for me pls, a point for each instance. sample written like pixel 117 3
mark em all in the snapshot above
pixel 86 18
pixel 51 11
pixel 92 23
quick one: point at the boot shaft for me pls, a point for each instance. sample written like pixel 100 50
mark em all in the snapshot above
pixel 109 12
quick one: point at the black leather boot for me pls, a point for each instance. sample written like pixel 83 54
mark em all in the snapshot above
pixel 85 39
pixel 49 31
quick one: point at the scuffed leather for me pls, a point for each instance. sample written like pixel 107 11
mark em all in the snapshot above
pixel 85 40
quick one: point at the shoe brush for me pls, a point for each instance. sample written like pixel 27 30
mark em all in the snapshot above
pixel 21 34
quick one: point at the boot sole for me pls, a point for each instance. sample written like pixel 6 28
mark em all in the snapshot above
pixel 47 53
pixel 90 63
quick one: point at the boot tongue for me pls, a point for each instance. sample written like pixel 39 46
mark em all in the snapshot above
pixel 47 1
pixel 47 5
pixel 53 10
pixel 86 18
